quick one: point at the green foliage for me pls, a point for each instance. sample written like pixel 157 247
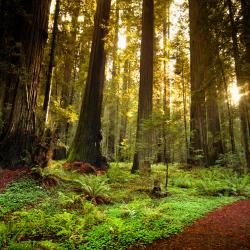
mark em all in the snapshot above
pixel 217 182
pixel 66 220
pixel 95 188
pixel 70 201
pixel 68 113
pixel 119 173
pixel 184 181
pixel 198 156
pixel 230 160
pixel 19 194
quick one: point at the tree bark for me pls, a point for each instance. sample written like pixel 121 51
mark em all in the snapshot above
pixel 51 64
pixel 245 10
pixel 124 120
pixel 198 138
pixel 214 128
pixel 86 144
pixel 242 84
pixel 184 100
pixel 113 112
pixel 166 81
pixel 228 104
pixel 27 31
pixel 143 140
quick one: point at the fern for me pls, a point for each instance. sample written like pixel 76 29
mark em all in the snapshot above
pixel 95 188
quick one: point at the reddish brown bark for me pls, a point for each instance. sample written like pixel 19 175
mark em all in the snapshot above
pixel 142 153
pixel 86 144
pixel 198 52
pixel 27 30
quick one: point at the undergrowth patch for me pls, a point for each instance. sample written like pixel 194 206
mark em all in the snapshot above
pixel 68 217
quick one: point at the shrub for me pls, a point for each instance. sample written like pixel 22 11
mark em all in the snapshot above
pixel 230 160
pixel 183 181
pixel 95 188
pixel 70 201
pixel 217 182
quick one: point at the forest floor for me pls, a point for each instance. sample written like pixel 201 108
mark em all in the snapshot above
pixel 59 208
pixel 7 176
pixel 227 228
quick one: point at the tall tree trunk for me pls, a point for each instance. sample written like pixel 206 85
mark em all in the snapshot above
pixel 29 38
pixel 86 144
pixel 51 64
pixel 242 84
pixel 184 100
pixel 198 138
pixel 245 9
pixel 67 94
pixel 123 127
pixel 143 140
pixel 114 89
pixel 228 105
pixel 214 128
pixel 166 83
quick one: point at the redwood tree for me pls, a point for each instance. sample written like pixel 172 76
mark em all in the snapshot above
pixel 198 52
pixel 25 35
pixel 242 82
pixel 86 144
pixel 142 153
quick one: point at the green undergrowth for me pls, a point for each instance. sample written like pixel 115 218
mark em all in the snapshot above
pixel 69 216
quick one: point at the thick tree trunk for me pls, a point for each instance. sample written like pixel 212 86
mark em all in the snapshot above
pixel 245 9
pixel 27 30
pixel 242 84
pixel 86 144
pixel 198 51
pixel 143 140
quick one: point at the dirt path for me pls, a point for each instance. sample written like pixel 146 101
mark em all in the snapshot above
pixel 227 228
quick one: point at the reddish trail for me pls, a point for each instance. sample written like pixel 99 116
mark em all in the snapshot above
pixel 227 228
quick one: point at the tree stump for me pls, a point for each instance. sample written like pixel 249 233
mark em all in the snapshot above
pixel 157 187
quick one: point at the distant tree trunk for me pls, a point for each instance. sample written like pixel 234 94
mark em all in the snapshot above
pixel 51 64
pixel 143 140
pixel 184 100
pixel 114 88
pixel 125 87
pixel 166 84
pixel 214 129
pixel 242 84
pixel 229 111
pixel 86 144
pixel 27 31
pixel 71 100
pixel 67 94
pixel 198 138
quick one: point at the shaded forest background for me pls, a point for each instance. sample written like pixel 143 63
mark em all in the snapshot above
pixel 86 79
